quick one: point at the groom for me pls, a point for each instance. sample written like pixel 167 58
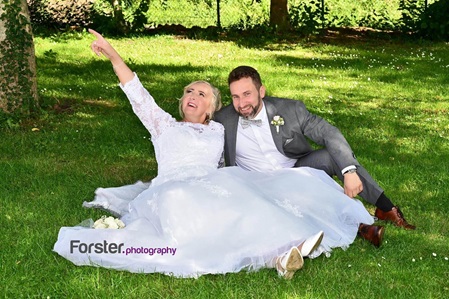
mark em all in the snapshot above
pixel 265 133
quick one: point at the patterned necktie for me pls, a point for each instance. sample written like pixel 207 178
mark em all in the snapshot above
pixel 247 122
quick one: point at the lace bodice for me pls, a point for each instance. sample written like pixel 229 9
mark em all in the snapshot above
pixel 182 149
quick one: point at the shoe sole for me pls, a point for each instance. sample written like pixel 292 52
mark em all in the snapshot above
pixel 310 245
pixel 294 263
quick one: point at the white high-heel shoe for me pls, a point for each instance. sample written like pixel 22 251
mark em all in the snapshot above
pixel 289 263
pixel 311 244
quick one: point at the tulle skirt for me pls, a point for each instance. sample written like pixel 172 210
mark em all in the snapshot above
pixel 227 221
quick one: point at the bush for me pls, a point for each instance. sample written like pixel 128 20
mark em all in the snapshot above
pixel 410 14
pixel 308 18
pixel 38 13
pixel 434 21
pixel 69 13
pixel 105 15
pixel 120 16
pixel 376 14
pixel 61 14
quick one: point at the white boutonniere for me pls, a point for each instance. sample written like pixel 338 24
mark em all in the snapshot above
pixel 277 121
pixel 109 222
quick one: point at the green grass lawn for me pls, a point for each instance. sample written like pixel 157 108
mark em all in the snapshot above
pixel 389 97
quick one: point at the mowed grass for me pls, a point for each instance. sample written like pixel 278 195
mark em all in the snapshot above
pixel 389 97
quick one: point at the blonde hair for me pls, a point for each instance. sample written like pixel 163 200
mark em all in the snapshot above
pixel 216 99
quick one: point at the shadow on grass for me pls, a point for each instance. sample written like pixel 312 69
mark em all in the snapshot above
pixel 265 37
pixel 94 84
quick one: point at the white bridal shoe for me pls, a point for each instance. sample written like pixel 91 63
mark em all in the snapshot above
pixel 289 263
pixel 311 244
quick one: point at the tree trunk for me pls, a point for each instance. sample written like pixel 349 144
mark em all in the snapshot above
pixel 279 15
pixel 2 58
pixel 18 84
pixel 119 18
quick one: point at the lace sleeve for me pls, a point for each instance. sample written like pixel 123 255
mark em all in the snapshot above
pixel 150 114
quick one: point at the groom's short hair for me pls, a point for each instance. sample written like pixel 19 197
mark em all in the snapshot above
pixel 245 71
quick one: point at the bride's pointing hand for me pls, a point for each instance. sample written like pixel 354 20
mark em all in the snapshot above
pixel 102 46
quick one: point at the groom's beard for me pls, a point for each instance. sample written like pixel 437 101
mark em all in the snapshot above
pixel 251 113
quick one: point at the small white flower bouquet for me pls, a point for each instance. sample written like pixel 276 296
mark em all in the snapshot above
pixel 277 121
pixel 108 222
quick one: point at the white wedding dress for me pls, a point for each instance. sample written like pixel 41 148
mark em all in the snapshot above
pixel 195 219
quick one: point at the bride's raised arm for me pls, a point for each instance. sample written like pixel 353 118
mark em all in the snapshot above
pixel 102 46
pixel 150 114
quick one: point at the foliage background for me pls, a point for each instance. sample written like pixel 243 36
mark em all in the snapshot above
pixel 243 14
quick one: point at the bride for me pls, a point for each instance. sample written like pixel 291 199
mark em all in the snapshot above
pixel 195 218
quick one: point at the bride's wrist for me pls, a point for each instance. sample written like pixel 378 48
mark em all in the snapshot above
pixel 118 64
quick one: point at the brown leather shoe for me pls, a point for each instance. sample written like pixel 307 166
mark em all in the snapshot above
pixel 372 233
pixel 395 216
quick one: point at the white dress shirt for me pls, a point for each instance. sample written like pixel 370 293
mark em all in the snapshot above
pixel 255 148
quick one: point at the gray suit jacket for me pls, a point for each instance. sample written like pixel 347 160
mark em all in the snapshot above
pixel 292 139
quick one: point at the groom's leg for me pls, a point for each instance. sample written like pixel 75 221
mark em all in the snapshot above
pixel 321 159
pixel 372 193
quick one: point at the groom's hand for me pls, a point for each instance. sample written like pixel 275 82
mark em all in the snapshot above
pixel 352 184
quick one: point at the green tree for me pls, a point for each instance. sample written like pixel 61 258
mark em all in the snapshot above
pixel 18 84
